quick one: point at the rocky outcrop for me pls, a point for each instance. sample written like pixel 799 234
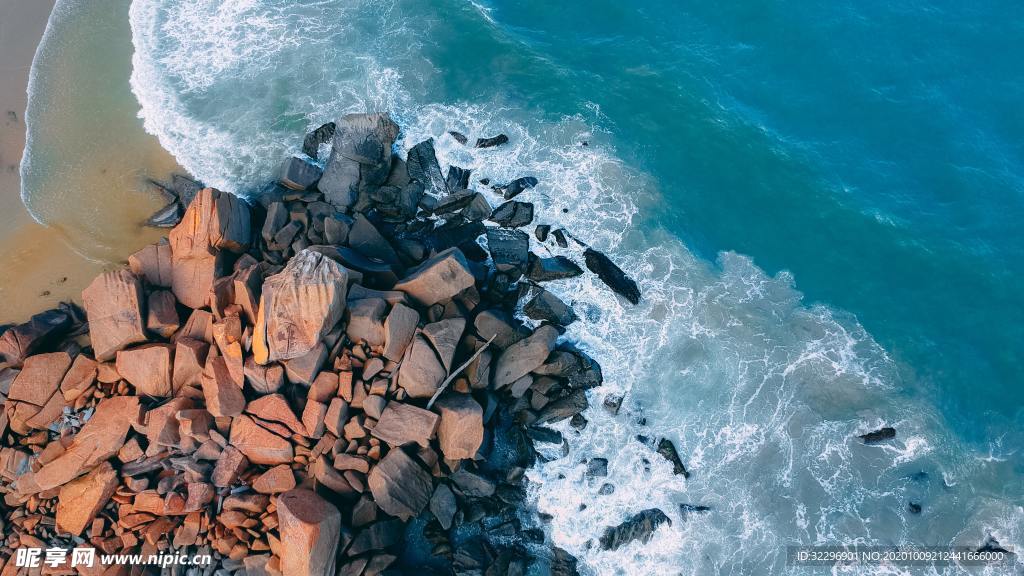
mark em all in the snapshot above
pixel 360 158
pixel 640 526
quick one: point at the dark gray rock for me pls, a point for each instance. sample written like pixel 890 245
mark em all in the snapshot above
pixel 185 188
pixel 505 330
pixel 421 164
pixel 542 231
pixel 562 408
pixel 559 235
pixel 547 269
pixel 686 509
pixel 459 137
pixel 562 563
pixel 166 217
pixel 472 485
pixel 365 238
pixel 597 468
pixel 458 178
pixel 453 202
pixel 606 489
pixel 668 451
pixel 299 173
pixel 492 141
pixel 513 214
pixel 322 135
pixel 543 305
pixel 509 249
pixel 518 186
pixel 377 536
pixel 477 209
pixel 880 435
pixel 360 159
pixel 640 526
pixel 443 505
pixel 612 275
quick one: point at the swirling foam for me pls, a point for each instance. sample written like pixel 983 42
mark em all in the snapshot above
pixel 763 395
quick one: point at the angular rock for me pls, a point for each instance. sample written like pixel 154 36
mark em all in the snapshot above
pixel 40 378
pixel 402 424
pixel 337 415
pixel 113 304
pixel 640 526
pixel 421 372
pixel 360 159
pixel 497 324
pixel 82 499
pixel 512 214
pixel 880 435
pixel 524 356
pixel 161 314
pixel 17 342
pixel 565 407
pixel 310 528
pixel 366 321
pixel 472 484
pixel 148 369
pixel 443 505
pixel 612 275
pixel 262 379
pixel 78 378
pixel 543 305
pixel 399 328
pixel 214 221
pixel 541 232
pixel 189 360
pixel 223 396
pixel 259 445
pixel 275 408
pixel 458 178
pixel 438 279
pixel 313 416
pixel 421 164
pixel 322 135
pixel 556 268
pixel 509 249
pixel 274 481
pixel 400 486
pixel 377 536
pixel 277 218
pixel 668 451
pixel 368 241
pixel 299 306
pixel 518 186
pixel 461 430
pixel 491 141
pixel 445 335
pixel 299 173
pixel 153 264
pixel 305 369
pixel 229 467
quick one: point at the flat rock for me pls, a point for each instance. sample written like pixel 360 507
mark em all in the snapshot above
pixel 461 430
pixel 259 445
pixel 189 359
pixel 40 377
pixel 299 306
pixel 366 321
pixel 402 424
pixel 360 159
pixel 275 408
pixel 162 314
pixel 512 214
pixel 299 174
pixel 443 505
pixel 80 500
pixel 310 528
pixel 509 249
pixel 445 335
pixel 612 275
pixel 421 372
pixel 153 264
pixel 368 241
pixel 78 378
pixel 399 328
pixel 223 396
pixel 113 304
pixel 497 324
pixel 400 486
pixel 148 369
pixel 438 279
pixel 543 305
pixel 555 268
pixel 640 526
pixel 274 481
pixel 524 356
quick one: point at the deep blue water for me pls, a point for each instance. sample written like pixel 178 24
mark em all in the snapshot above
pixel 820 202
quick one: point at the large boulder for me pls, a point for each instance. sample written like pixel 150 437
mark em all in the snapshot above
pixel 461 431
pixel 259 445
pixel 299 306
pixel 438 279
pixel 612 275
pixel 512 214
pixel 422 166
pixel 400 486
pixel 113 303
pixel 360 159
pixel 148 369
pixel 399 328
pixel 524 356
pixel 402 424
pixel 310 528
pixel 509 249
pixel 421 372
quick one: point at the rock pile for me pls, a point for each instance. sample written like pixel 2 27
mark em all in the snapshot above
pixel 329 381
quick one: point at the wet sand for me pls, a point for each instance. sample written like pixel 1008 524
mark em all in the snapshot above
pixel 91 189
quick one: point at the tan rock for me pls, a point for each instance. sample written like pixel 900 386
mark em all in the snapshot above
pixel 213 221
pixel 40 377
pixel 310 529
pixel 223 396
pixel 48 414
pixel 366 321
pixel 324 387
pixel 438 279
pixel 521 358
pixel 305 369
pixel 461 431
pixel 399 328
pixel 148 369
pixel 299 306
pixel 350 462
pixel 189 360
pixel 313 416
pixel 400 486
pixel 162 429
pixel 199 327
pixel 259 445
pixel 229 466
pixel 153 263
pixel 79 378
pixel 274 481
pixel 444 335
pixel 113 304
pixel 263 379
pixel 402 424
pixel 81 500
pixel 337 415
pixel 421 372
pixel 248 285
pixel 162 314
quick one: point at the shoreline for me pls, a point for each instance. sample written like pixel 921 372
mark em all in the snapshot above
pixel 336 367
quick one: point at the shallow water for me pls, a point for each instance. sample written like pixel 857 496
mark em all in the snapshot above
pixel 737 159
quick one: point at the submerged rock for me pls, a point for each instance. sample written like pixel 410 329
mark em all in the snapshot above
pixel 668 451
pixel 686 509
pixel 612 275
pixel 641 526
pixel 492 141
pixel 322 135
pixel 880 435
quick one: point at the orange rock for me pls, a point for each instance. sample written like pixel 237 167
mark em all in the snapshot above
pixel 275 408
pixel 299 306
pixel 438 279
pixel 189 360
pixel 337 415
pixel 274 481
pixel 113 304
pixel 147 368
pixel 40 377
pixel 223 396
pixel 421 372
pixel 162 314
pixel 313 416
pixel 78 379
pixel 402 424
pixel 461 431
pixel 153 263
pixel 81 500
pixel 400 486
pixel 310 528
pixel 229 466
pixel 259 445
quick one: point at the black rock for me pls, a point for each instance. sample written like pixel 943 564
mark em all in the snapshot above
pixel 541 232
pixel 547 269
pixel 492 141
pixel 544 434
pixel 544 305
pixel 559 235
pixel 588 373
pixel 880 435
pixel 563 563
pixel 477 209
pixel 597 468
pixel 453 202
pixel 606 489
pixel 612 403
pixel 422 167
pixel 299 173
pixel 360 158
pixel 311 144
pixel 185 188
pixel 562 408
pixel 459 137
pixel 513 214
pixel 687 509
pixel 612 275
pixel 640 526
pixel 166 217
pixel 458 178
pixel 668 450
pixel 518 186
pixel 992 545
pixel 509 249
pixel 913 507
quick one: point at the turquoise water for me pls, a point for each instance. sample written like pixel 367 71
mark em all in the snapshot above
pixel 820 203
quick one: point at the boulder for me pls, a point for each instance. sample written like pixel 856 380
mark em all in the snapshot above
pixel 360 159
pixel 880 435
pixel 668 451
pixel 314 415
pixel 438 279
pixel 640 526
pixel 445 335
pixel 148 369
pixel 443 505
pixel 162 314
pixel 400 486
pixel 556 268
pixel 458 178
pixel 541 232
pixel 223 396
pixel 299 306
pixel 368 241
pixel 276 219
pixel 543 305
pixel 518 186
pixel 40 378
pixel 78 378
pixel 512 214
pixel 498 325
pixel 366 321
pixel 399 328
pixel 322 135
pixel 461 430
pixel 509 249
pixel 421 165
pixel 299 173
pixel 421 372
pixel 562 408
pixel 472 484
pixel 274 481
pixel 612 275
pixel 229 467
pixel 214 221
pixel 80 500
pixel 305 369
pixel 189 360
pixel 490 141
pixel 377 536
pixel 113 303
pixel 17 342
pixel 262 379
pixel 153 264
pixel 259 445
pixel 524 356
pixel 310 528
pixel 274 408
pixel 402 424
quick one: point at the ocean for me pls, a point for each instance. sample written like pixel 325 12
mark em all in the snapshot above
pixel 821 204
